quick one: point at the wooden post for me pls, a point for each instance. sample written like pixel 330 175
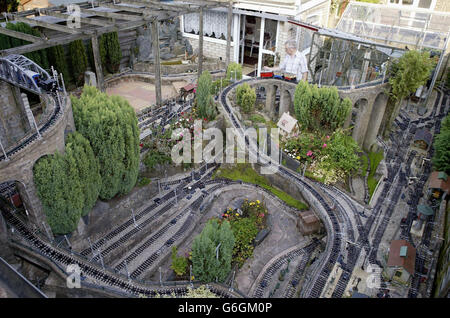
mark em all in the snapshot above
pixel 97 62
pixel 155 44
pixel 229 18
pixel 200 43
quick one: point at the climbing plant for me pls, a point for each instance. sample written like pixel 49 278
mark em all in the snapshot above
pixel 110 125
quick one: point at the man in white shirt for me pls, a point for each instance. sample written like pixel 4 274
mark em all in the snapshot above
pixel 294 62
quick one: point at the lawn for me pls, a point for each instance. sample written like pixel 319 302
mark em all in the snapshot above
pixel 375 159
pixel 246 173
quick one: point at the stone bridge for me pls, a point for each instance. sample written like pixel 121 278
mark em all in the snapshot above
pixel 369 105
pixel 19 166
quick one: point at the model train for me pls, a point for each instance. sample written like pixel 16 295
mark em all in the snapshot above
pixel 48 85
pixel 290 77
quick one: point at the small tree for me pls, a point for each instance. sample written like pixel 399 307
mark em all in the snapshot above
pixel 248 101
pixel 234 70
pixel 441 158
pixel 409 72
pixel 78 60
pixel 212 252
pixel 204 99
pixel 179 263
pixel 57 59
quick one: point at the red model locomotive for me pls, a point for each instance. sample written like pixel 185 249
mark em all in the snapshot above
pixel 279 75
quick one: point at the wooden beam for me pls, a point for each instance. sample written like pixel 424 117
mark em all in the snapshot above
pixel 200 43
pixel 20 35
pixel 229 18
pixel 153 5
pixel 69 38
pixel 112 15
pixel 46 25
pixel 84 20
pixel 97 62
pixel 155 44
pixel 123 8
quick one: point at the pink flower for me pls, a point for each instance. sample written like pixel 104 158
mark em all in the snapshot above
pixel 309 153
pixel 261 215
pixel 328 137
pixel 324 145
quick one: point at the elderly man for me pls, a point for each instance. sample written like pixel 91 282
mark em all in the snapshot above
pixel 294 62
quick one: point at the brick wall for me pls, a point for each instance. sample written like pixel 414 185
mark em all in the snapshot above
pixel 212 49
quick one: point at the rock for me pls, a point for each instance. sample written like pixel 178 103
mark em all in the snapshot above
pixel 248 123
pixel 178 49
pixel 144 44
pixel 90 78
pixel 81 228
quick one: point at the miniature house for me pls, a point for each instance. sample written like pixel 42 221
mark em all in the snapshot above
pixel 401 261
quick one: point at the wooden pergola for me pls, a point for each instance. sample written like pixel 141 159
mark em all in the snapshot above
pixel 93 18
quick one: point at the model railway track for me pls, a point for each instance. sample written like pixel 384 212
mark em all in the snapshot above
pixel 57 113
pixel 331 222
pixel 271 271
pixel 129 224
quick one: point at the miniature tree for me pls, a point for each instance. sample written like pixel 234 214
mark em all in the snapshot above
pixel 57 59
pixel 78 60
pixel 234 71
pixel 179 263
pixel 441 158
pixel 204 99
pixel 110 125
pixel 248 100
pixel 211 261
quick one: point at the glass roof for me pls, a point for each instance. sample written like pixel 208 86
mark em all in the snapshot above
pixel 399 27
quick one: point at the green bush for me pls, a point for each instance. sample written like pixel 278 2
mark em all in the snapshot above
pixel 217 84
pixel 319 109
pixel 152 158
pixel 110 125
pixel 206 267
pixel 204 100
pixel 68 185
pixel 441 157
pixel 110 52
pixel 248 101
pixel 257 118
pixel 143 181
pixel 179 263
pixel 79 62
pixel 246 97
pixel 409 72
pixel 57 59
pixel 234 69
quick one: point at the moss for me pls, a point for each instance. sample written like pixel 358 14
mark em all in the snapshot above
pixel 375 159
pixel 247 174
pixel 257 118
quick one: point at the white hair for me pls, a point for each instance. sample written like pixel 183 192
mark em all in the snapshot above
pixel 292 44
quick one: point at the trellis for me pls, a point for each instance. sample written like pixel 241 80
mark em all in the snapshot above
pixel 94 18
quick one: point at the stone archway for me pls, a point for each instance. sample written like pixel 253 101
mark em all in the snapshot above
pixel 359 120
pixel 376 117
pixel 285 101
